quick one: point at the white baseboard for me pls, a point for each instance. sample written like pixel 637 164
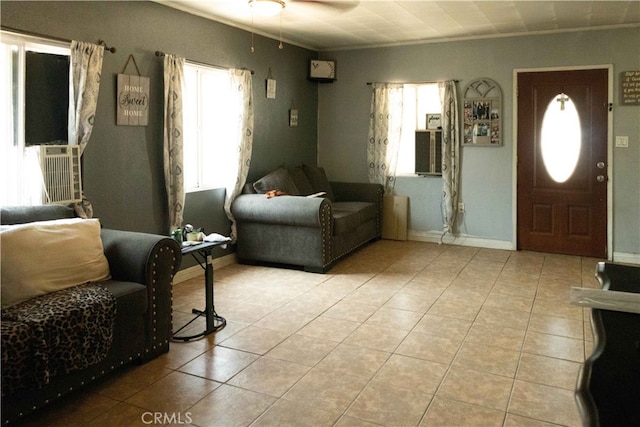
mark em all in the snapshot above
pixel 626 258
pixel 196 270
pixel 461 240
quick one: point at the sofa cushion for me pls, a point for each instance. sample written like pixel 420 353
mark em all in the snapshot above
pixel 279 179
pixel 319 180
pixel 301 180
pixel 349 215
pixel 47 256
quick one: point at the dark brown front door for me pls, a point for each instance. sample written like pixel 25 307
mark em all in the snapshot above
pixel 562 212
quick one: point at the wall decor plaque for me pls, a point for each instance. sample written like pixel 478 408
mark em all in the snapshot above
pixel 133 98
pixel 630 88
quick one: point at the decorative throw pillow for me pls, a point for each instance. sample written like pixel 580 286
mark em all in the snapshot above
pixel 301 180
pixel 319 180
pixel 279 180
pixel 47 256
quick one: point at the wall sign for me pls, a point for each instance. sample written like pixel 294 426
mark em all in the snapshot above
pixel 133 98
pixel 630 88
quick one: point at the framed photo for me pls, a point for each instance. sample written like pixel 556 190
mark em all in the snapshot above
pixel 481 114
pixel 434 121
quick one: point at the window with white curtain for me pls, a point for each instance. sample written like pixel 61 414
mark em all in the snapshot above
pixel 419 100
pixel 20 177
pixel 209 126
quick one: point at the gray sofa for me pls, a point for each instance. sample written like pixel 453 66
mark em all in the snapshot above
pixel 311 232
pixel 141 267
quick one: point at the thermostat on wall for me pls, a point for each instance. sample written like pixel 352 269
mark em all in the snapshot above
pixel 322 70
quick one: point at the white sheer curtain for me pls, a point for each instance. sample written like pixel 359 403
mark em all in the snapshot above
pixel 243 105
pixel 173 150
pixel 85 71
pixel 450 155
pixel 385 130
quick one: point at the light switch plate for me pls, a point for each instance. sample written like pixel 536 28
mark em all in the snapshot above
pixel 622 141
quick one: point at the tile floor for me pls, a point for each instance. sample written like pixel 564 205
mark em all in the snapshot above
pixel 397 334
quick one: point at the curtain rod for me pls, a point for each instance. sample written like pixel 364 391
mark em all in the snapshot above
pixel 413 83
pixel 159 53
pixel 59 39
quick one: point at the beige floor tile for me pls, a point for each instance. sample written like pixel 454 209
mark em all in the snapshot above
pixel 329 391
pixel 429 347
pixel 553 325
pixel 124 414
pixel 312 304
pixel 243 313
pixel 511 302
pixel 504 317
pixel 394 318
pixel 475 387
pixel 350 360
pixel 455 307
pixel 496 336
pixel 219 363
pixel 481 357
pixel 552 307
pixel 345 421
pixel 376 337
pixel 255 340
pixel 303 350
pixel 230 406
pixel 174 393
pixel 544 403
pixel 447 327
pixel 513 420
pixel 285 320
pixel 554 346
pixel 389 405
pixel 448 413
pixel 412 373
pixel 549 371
pixel 286 413
pixel 269 376
pixel 405 301
pixel 132 379
pixel 352 311
pixel 329 329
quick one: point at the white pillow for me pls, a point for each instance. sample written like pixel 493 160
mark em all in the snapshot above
pixel 47 256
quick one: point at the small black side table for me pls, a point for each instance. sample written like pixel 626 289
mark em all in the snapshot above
pixel 202 253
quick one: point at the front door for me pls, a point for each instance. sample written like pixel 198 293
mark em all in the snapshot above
pixel 562 162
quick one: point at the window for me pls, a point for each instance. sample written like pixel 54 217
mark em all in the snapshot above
pixel 419 100
pixel 210 126
pixel 27 78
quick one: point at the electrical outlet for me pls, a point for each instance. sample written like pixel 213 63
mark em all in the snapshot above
pixel 460 207
pixel 622 141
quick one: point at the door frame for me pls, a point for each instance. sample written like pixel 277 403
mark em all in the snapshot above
pixel 514 184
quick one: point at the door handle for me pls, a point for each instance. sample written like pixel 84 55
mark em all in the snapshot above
pixel 601 178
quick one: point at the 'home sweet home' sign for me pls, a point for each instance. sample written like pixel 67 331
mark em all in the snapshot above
pixel 133 100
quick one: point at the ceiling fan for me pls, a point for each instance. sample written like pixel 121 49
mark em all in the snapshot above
pixel 272 7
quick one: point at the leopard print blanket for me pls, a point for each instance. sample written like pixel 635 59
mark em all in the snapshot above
pixel 54 334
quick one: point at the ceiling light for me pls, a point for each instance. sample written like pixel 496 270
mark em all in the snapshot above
pixel 267 7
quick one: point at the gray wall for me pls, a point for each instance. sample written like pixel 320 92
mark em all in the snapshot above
pixel 487 173
pixel 123 174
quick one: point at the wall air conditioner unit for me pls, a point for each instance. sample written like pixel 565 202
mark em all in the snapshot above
pixel 61 176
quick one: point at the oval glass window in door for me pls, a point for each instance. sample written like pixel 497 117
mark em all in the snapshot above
pixel 560 138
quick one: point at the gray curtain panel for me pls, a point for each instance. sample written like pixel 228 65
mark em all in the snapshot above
pixel 450 155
